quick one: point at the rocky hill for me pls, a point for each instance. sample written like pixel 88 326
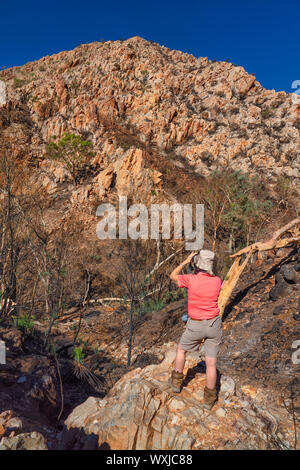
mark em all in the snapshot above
pixel 152 114
pixel 159 123
pixel 198 112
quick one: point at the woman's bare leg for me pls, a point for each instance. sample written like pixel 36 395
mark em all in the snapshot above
pixel 180 359
pixel 211 372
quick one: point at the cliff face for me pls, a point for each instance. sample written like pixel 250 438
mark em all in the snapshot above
pixel 210 113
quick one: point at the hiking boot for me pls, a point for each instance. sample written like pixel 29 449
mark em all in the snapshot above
pixel 176 381
pixel 210 398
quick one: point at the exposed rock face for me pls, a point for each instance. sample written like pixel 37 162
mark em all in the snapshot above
pixel 12 437
pixel 208 112
pixel 9 423
pixel 141 412
pixel 130 175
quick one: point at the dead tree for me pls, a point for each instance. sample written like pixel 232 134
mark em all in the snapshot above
pixel 47 251
pixel 238 265
pixel 10 244
pixel 130 279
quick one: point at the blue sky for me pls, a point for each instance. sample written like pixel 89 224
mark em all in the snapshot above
pixel 261 35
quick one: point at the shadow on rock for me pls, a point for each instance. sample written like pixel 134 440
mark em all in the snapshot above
pixel 77 439
pixel 200 368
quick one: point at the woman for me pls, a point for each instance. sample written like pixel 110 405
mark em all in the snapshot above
pixel 204 321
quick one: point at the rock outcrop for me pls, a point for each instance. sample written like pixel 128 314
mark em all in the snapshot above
pixel 141 412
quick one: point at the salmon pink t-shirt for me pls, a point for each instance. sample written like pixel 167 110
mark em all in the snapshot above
pixel 203 293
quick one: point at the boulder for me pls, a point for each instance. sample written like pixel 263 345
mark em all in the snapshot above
pixel 227 386
pixel 26 441
pixel 289 273
pixel 279 290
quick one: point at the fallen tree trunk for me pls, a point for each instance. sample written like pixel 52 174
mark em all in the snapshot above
pixel 237 267
pixel 231 280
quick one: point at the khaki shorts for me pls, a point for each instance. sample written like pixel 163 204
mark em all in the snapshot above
pixel 196 331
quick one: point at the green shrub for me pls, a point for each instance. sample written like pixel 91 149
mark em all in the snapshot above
pixel 172 295
pixel 245 209
pixel 150 306
pixel 238 204
pixel 72 151
pixel 83 343
pixel 24 323
pixel 266 113
pixel 18 82
pixel 125 145
pixel 79 354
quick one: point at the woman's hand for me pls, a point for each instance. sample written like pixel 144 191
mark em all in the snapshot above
pixel 189 258
pixel 174 274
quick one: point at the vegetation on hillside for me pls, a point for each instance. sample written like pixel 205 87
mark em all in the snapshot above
pixel 73 151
